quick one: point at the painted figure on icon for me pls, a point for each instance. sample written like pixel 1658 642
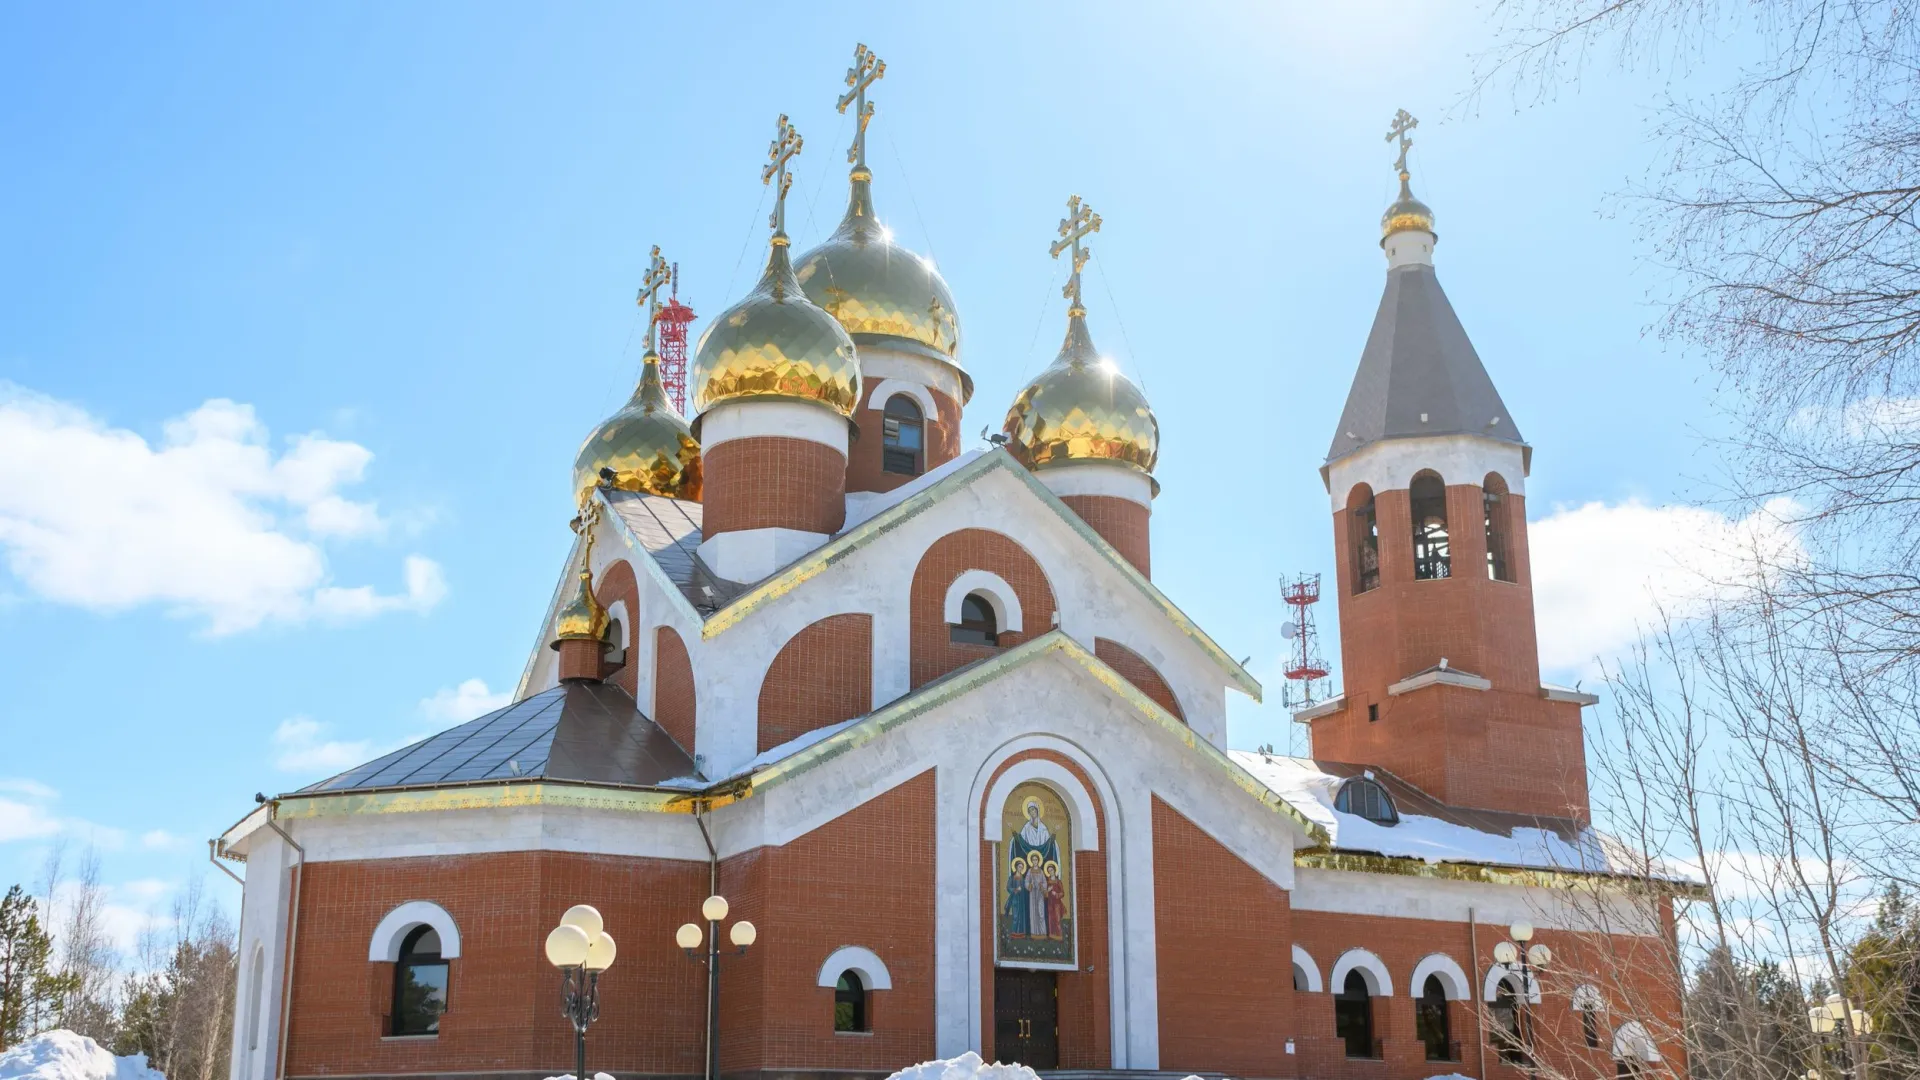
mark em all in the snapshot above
pixel 1036 895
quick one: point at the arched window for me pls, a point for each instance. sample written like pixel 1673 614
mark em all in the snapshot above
pixel 1493 493
pixel 903 439
pixel 256 991
pixel 1365 798
pixel 850 1003
pixel 977 625
pixel 419 984
pixel 1507 1034
pixel 1300 983
pixel 1363 529
pixel 1430 1022
pixel 1587 1002
pixel 1353 1017
pixel 1432 556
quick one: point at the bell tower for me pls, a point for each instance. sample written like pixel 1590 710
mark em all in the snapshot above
pixel 1427 477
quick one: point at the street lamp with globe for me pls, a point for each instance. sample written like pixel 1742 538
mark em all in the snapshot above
pixel 742 933
pixel 581 948
pixel 1523 960
pixel 1837 1014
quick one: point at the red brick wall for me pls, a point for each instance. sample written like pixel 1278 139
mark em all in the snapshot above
pixel 674 702
pixel 1502 749
pixel 822 675
pixel 617 585
pixel 1085 996
pixel 942 442
pixel 1121 522
pixel 933 653
pixel 1224 950
pixel 866 878
pixel 1134 668
pixel 774 482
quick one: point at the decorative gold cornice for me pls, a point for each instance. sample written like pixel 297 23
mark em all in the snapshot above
pixel 1322 858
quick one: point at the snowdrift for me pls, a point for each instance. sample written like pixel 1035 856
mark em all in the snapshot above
pixel 63 1055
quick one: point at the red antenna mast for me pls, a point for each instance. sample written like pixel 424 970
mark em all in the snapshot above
pixel 674 318
pixel 1305 667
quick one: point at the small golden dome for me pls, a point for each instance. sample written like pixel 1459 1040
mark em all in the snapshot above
pixel 1406 214
pixel 583 619
pixel 881 291
pixel 776 343
pixel 647 444
pixel 1082 409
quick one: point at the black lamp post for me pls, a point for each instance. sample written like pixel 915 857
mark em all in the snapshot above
pixel 688 937
pixel 1523 959
pixel 1838 1016
pixel 581 948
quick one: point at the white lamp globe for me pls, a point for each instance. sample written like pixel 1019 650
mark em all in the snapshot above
pixel 743 933
pixel 1505 953
pixel 688 936
pixel 714 908
pixel 586 917
pixel 600 952
pixel 1539 955
pixel 1522 932
pixel 567 946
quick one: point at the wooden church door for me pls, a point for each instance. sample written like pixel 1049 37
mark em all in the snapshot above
pixel 1026 1017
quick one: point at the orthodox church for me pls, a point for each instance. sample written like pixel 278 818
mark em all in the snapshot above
pixel 958 768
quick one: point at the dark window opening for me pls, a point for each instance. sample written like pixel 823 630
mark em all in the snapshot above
pixel 1590 1028
pixel 1364 798
pixel 977 625
pixel 849 1003
pixel 1493 494
pixel 419 984
pixel 1432 554
pixel 1366 548
pixel 1373 713
pixel 1507 1036
pixel 903 437
pixel 1353 1017
pixel 1628 1070
pixel 1299 979
pixel 1430 1022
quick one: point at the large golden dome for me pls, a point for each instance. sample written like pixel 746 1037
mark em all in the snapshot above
pixel 1082 409
pixel 647 445
pixel 775 343
pixel 879 290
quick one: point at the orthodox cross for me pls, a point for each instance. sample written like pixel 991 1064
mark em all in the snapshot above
pixel 1080 221
pixel 786 145
pixel 867 69
pixel 649 297
pixel 1403 122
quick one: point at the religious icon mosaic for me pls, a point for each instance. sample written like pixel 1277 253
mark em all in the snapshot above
pixel 1034 920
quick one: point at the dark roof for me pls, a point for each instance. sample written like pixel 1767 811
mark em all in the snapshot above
pixel 1417 362
pixel 670 531
pixel 576 731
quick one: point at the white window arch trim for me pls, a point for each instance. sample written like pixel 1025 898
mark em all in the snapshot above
pixel 859 960
pixel 1632 1043
pixel 392 931
pixel 256 995
pixel 1370 967
pixel 888 389
pixel 1586 998
pixel 1498 973
pixel 1304 961
pixel 994 588
pixel 1453 978
pixel 1086 827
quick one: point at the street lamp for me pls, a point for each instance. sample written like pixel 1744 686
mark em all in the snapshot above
pixel 1839 1014
pixel 581 948
pixel 1523 959
pixel 688 937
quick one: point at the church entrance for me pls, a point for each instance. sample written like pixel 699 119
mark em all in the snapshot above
pixel 1026 1017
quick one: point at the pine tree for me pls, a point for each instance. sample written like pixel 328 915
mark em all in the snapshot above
pixel 29 989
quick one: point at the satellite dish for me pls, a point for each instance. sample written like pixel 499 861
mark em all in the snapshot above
pixel 1289 630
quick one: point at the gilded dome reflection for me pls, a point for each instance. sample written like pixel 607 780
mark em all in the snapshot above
pixel 1082 409
pixel 647 445
pixel 776 343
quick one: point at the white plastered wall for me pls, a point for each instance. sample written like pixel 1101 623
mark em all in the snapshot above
pixel 263 926
pixel 1402 896
pixel 1389 465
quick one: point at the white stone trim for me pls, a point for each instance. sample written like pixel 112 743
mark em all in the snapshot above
pixel 1498 973
pixel 747 418
pixel 1086 827
pixel 887 389
pixel 1453 978
pixel 1315 712
pixel 392 931
pixel 1566 693
pixel 1409 247
pixel 999 595
pixel 879 363
pixel 1630 1040
pixel 1587 998
pixel 1304 961
pixel 873 972
pixel 1440 677
pixel 1098 478
pixel 752 554
pixel 1389 465
pixel 1370 967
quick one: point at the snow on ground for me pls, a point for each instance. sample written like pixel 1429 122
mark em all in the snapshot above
pixel 569 1076
pixel 63 1055
pixel 967 1066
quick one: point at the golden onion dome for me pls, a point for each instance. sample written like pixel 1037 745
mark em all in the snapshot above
pixel 880 291
pixel 583 619
pixel 775 343
pixel 647 446
pixel 1406 214
pixel 1082 409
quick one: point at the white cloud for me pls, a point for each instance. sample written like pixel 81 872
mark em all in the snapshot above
pixel 25 821
pixel 1602 572
pixel 160 840
pixel 302 747
pixel 465 702
pixel 27 813
pixel 207 523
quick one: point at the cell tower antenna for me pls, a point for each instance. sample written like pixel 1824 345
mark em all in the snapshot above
pixel 1305 666
pixel 674 318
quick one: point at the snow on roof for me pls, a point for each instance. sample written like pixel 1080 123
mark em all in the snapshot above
pixel 64 1055
pixel 1311 787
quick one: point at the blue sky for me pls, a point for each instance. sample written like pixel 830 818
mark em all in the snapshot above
pixel 395 247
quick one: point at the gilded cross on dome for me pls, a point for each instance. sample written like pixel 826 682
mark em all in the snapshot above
pixel 1080 221
pixel 867 69
pixel 784 148
pixel 657 278
pixel 1403 122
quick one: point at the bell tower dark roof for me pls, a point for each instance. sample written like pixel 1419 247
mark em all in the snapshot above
pixel 1419 374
